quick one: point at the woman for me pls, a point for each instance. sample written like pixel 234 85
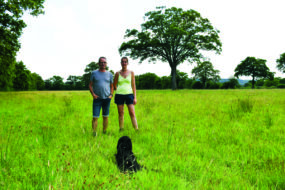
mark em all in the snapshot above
pixel 125 86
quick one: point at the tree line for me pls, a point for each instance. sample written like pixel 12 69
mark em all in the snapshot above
pixel 204 77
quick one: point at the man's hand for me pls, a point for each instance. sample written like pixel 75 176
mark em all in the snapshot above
pixel 95 96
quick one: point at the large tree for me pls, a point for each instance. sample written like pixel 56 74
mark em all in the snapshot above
pixel 281 63
pixel 254 67
pixel 11 27
pixel 205 72
pixel 171 35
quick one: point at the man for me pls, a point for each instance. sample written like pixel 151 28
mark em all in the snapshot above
pixel 101 88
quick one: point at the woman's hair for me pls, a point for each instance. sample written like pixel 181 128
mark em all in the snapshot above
pixel 102 58
pixel 125 58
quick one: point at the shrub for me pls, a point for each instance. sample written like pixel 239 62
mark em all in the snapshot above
pixel 282 81
pixel 213 85
pixel 281 86
pixel 197 85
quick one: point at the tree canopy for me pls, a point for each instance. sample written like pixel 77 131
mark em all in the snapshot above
pixel 281 63
pixel 171 35
pixel 204 71
pixel 254 67
pixel 11 26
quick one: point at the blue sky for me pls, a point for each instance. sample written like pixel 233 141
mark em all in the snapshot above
pixel 73 33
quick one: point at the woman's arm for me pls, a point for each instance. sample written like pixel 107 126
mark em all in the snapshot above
pixel 116 80
pixel 134 87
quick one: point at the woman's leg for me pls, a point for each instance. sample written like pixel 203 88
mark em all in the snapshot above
pixel 131 108
pixel 121 116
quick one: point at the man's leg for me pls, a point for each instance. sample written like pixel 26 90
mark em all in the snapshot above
pixel 96 114
pixel 105 124
pixel 131 108
pixel 105 109
pixel 94 125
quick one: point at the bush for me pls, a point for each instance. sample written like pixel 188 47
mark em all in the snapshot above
pixel 260 82
pixel 213 85
pixel 270 83
pixel 282 81
pixel 197 85
pixel 281 86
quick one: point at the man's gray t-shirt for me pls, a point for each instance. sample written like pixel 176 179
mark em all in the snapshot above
pixel 101 83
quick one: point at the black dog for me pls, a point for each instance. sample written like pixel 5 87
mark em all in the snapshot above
pixel 125 157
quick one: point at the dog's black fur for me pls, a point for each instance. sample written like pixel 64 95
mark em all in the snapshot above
pixel 125 157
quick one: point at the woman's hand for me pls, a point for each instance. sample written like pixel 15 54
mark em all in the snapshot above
pixel 135 101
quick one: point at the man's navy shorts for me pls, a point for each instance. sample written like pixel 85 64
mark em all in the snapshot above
pixel 101 103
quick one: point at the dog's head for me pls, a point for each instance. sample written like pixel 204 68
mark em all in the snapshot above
pixel 124 145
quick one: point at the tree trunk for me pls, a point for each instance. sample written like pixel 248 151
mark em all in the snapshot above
pixel 173 78
pixel 204 84
pixel 252 83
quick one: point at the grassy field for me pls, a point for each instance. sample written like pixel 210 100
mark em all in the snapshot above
pixel 188 139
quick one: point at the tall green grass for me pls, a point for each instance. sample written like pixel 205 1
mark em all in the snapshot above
pixel 188 139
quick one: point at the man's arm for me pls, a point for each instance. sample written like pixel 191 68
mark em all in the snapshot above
pixel 111 87
pixel 111 90
pixel 91 90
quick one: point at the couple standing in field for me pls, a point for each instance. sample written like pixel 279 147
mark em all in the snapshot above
pixel 102 87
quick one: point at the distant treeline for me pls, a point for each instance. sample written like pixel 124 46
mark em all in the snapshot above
pixel 26 80
pixel 152 81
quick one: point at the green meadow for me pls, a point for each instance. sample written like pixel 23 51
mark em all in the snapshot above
pixel 188 139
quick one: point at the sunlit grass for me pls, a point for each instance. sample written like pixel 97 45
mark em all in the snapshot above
pixel 220 139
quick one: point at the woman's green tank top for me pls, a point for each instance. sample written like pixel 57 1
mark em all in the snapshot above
pixel 125 85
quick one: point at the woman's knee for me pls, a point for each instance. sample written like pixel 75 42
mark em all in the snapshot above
pixel 132 113
pixel 131 110
pixel 121 111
